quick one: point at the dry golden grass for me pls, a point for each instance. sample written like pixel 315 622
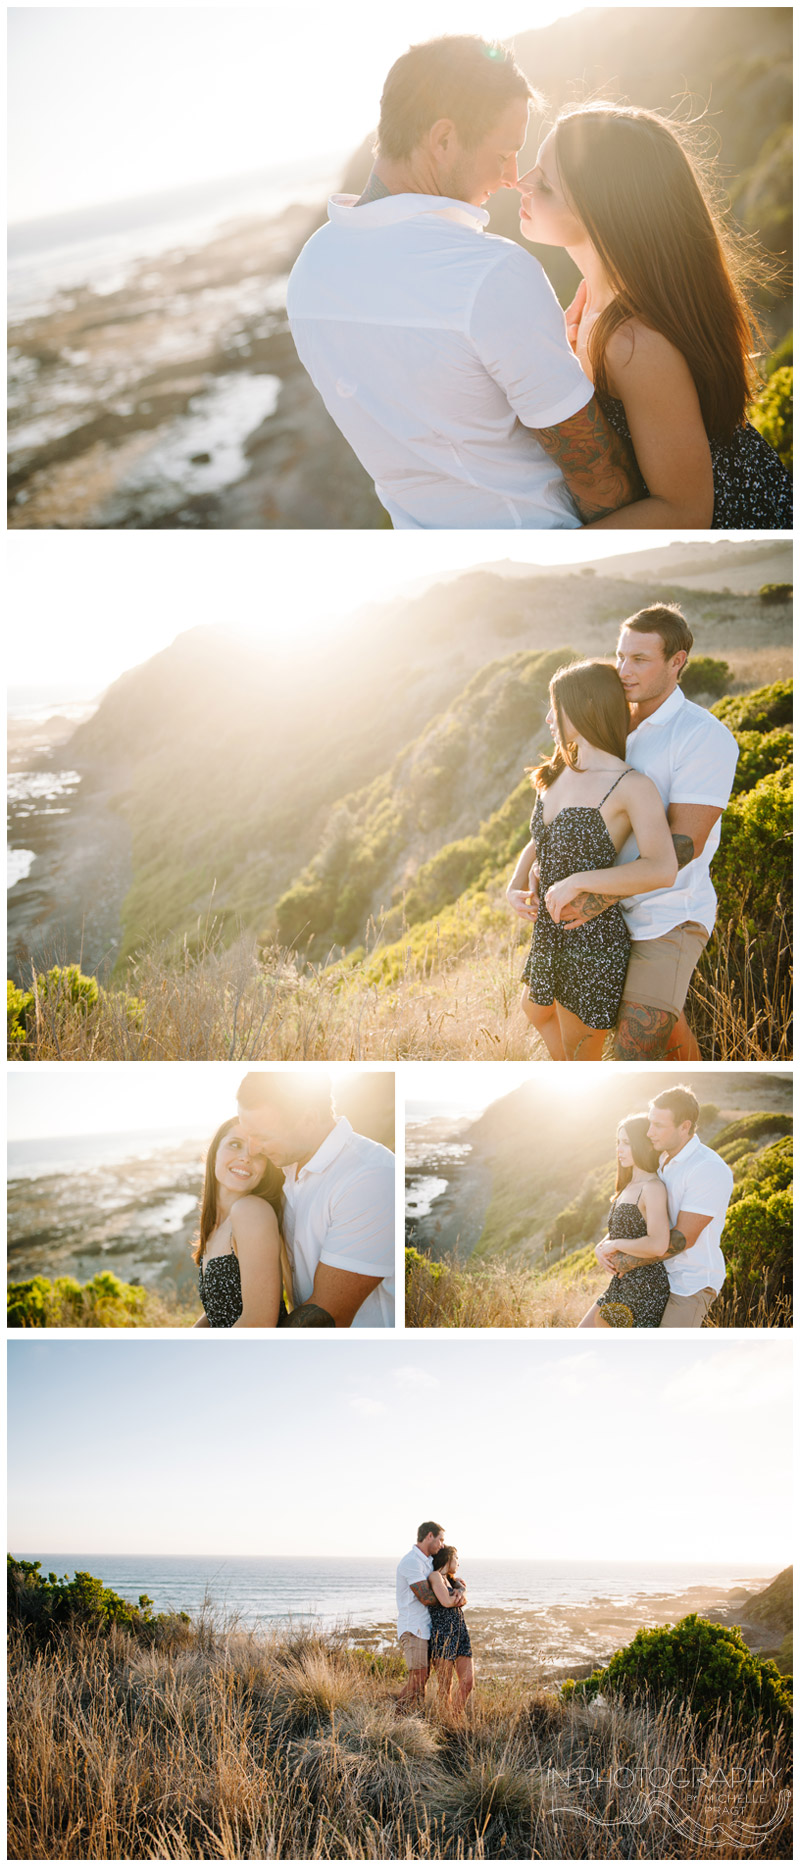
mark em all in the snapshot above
pixel 233 1747
pixel 242 1004
pixel 502 1294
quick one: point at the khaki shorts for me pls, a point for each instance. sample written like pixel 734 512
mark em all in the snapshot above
pixel 415 1652
pixel 687 1312
pixel 660 971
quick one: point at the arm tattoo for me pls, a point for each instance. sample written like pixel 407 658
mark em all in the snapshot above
pixel 586 907
pixel 424 1593
pixel 684 849
pixel 598 466
pixel 375 190
pixel 643 1032
pixel 625 1261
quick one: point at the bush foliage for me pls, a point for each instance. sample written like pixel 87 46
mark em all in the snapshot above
pixel 707 1668
pixel 42 1604
pixel 103 1303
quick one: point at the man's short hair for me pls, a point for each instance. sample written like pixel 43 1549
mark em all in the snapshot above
pixel 429 1529
pixel 307 1091
pixel 666 620
pixel 682 1104
pixel 467 79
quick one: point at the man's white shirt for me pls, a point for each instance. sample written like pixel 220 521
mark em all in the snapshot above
pixel 691 758
pixel 436 348
pixel 339 1210
pixel 412 1617
pixel 698 1180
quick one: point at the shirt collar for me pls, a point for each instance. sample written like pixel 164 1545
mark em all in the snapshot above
pixel 393 208
pixel 328 1151
pixel 690 1148
pixel 662 713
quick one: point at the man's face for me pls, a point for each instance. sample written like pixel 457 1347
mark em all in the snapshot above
pixel 432 1544
pixel 268 1130
pixel 643 670
pixel 666 1135
pixel 475 174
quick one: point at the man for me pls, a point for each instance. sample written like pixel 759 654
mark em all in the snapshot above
pixel 440 351
pixel 338 1193
pixel 699 1184
pixel 691 758
pixel 414 1595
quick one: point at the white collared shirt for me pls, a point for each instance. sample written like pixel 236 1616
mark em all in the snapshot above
pixel 691 758
pixel 436 348
pixel 412 1617
pixel 339 1210
pixel 698 1180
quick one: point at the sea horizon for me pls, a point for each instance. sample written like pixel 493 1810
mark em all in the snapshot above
pixel 330 1591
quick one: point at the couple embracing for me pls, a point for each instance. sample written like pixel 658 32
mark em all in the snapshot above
pixel 616 874
pixel 444 358
pixel 431 1628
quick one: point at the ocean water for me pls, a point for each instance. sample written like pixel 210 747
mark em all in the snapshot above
pixel 98 246
pixel 326 1592
pixel 31 1159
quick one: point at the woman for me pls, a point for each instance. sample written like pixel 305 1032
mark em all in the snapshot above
pixel 638 1225
pixel 660 323
pixel 588 802
pixel 449 1646
pixel 242 1268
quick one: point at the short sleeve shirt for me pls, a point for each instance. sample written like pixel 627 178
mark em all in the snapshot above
pixel 412 1617
pixel 691 758
pixel 437 348
pixel 698 1180
pixel 339 1210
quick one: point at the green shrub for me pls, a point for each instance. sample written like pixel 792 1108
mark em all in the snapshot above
pixel 425 1267
pixel 704 675
pixel 759 754
pixel 771 414
pixel 753 865
pixel 758 711
pixel 43 1604
pixel 59 987
pixel 776 592
pixel 708 1668
pixel 104 1303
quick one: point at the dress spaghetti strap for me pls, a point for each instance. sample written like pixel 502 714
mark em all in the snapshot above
pixel 612 787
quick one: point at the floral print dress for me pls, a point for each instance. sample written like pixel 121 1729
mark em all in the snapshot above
pixel 582 968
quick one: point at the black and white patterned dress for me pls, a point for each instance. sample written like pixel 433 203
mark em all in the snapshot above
pixel 637 1300
pixel 582 968
pixel 221 1290
pixel 449 1636
pixel 752 489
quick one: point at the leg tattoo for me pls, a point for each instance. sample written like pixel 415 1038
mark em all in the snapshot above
pixel 643 1032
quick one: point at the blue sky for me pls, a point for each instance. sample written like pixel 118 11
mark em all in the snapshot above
pixel 529 1445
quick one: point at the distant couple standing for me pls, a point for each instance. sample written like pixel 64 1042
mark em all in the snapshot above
pixel 442 354
pixel 431 1628
pixel 666 1221
pixel 616 875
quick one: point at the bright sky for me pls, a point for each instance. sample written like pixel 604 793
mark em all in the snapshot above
pixel 670 1450
pixel 112 102
pixel 117 1098
pixel 97 603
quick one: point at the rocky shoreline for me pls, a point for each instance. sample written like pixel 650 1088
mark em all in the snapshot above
pixel 178 400
pixel 568 1640
pixel 135 1217
pixel 440 1162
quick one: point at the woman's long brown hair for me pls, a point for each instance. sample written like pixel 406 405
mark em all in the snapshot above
pixel 668 256
pixel 269 1188
pixel 592 696
pixel 642 1149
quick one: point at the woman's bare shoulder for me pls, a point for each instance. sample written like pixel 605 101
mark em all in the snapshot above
pixel 635 348
pixel 254 1217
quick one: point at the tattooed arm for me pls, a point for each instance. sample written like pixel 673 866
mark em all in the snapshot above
pixel 598 466
pixel 683 1235
pixel 691 826
pixel 639 810
pixel 622 1261
pixel 656 1241
pixel 424 1593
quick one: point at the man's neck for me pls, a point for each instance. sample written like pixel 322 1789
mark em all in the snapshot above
pixel 416 176
pixel 642 709
pixel 672 1153
pixel 376 190
pixel 320 1136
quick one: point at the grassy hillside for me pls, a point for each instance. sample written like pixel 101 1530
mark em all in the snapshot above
pixel 534 1264
pixel 139 1737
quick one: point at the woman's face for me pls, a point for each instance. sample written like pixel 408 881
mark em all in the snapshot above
pixel 452 1565
pixel 624 1150
pixel 545 214
pixel 239 1164
pixel 555 730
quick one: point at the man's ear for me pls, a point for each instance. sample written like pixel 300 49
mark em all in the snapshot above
pixel 439 138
